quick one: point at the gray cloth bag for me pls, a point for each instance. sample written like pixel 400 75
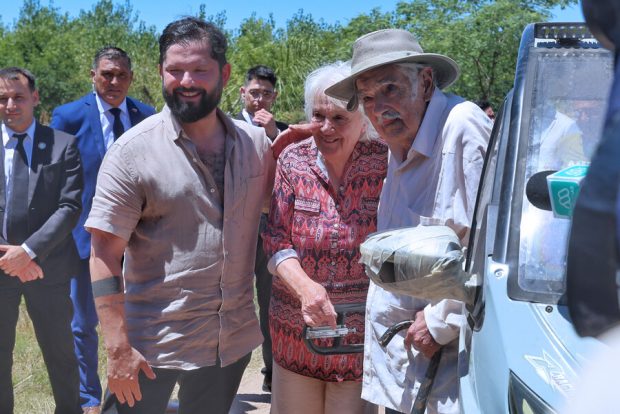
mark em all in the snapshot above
pixel 423 261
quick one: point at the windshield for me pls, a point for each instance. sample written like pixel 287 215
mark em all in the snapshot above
pixel 567 99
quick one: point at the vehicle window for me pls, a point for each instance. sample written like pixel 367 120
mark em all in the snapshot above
pixel 489 184
pixel 567 102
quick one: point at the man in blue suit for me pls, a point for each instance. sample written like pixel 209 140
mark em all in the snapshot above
pixel 96 119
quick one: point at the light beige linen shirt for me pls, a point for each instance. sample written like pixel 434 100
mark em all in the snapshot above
pixel 189 262
pixel 436 184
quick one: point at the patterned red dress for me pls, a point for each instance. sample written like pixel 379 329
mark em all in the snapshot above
pixel 325 226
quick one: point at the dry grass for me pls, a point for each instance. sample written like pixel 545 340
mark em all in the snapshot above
pixel 31 386
pixel 33 394
pixel 30 383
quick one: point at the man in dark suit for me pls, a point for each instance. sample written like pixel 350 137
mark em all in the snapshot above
pixel 40 203
pixel 96 119
pixel 258 94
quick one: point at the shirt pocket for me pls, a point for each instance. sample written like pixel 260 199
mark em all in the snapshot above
pixel 306 215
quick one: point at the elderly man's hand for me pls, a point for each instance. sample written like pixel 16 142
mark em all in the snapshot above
pixel 316 307
pixel 294 133
pixel 264 118
pixel 124 368
pixel 420 337
pixel 14 259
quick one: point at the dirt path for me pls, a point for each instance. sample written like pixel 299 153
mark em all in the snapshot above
pixel 250 398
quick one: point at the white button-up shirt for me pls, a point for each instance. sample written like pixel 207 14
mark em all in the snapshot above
pixel 107 119
pixel 435 184
pixel 9 143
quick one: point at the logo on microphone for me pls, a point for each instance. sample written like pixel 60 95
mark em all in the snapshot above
pixel 565 199
pixel 564 188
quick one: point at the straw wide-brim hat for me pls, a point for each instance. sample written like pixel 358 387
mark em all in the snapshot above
pixel 385 47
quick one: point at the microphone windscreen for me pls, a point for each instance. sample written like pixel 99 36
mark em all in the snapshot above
pixel 537 191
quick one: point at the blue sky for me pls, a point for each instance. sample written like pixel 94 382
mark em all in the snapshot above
pixel 160 12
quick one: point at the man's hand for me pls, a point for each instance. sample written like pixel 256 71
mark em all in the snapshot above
pixel 316 307
pixel 420 337
pixel 124 362
pixel 294 133
pixel 123 371
pixel 14 259
pixel 30 272
pixel 265 119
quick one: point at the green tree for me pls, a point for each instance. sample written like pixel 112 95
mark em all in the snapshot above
pixel 292 52
pixel 362 24
pixel 304 45
pixel 110 24
pixel 41 43
pixel 482 36
pixel 59 50
pixel 252 44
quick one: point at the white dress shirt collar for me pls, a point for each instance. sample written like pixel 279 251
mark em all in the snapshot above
pixel 103 106
pixel 7 133
pixel 426 137
pixel 248 118
pixel 9 143
pixel 107 119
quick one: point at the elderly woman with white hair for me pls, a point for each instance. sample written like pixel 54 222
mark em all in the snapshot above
pixel 324 205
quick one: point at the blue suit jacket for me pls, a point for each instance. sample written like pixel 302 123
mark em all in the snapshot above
pixel 81 118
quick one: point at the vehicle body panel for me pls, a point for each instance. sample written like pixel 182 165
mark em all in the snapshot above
pixel 519 328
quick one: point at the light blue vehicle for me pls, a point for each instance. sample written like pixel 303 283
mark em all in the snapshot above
pixel 519 351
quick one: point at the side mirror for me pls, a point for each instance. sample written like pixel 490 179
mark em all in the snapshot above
pixel 423 261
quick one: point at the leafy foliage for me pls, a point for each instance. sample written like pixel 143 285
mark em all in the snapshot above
pixel 481 35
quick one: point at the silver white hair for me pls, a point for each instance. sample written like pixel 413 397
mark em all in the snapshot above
pixel 321 79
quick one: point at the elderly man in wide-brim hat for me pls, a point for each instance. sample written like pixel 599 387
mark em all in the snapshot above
pixel 437 144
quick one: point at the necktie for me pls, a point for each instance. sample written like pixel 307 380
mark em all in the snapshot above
pixel 118 127
pixel 17 208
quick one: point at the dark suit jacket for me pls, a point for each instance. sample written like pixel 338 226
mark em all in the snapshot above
pixel 281 125
pixel 54 202
pixel 81 118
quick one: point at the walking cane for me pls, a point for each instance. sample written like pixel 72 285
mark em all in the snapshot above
pixel 419 405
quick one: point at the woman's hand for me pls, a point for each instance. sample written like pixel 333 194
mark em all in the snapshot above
pixel 316 307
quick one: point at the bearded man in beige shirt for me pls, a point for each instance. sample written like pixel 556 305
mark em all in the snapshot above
pixel 180 197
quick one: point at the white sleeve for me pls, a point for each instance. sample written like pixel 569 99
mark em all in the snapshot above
pixel 444 320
